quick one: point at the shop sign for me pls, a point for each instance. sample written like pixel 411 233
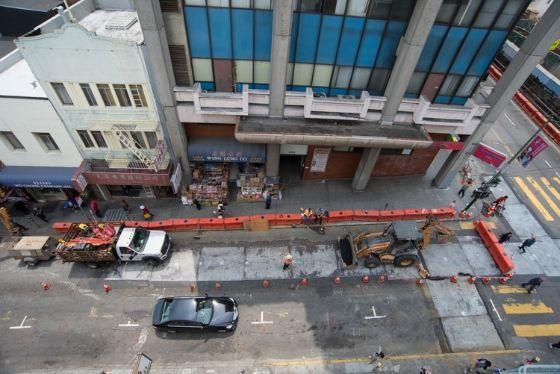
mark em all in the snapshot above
pixel 159 154
pixel 176 178
pixel 320 159
pixel 79 182
pixel 536 146
pixel 123 179
pixel 42 184
pixel 222 156
pixel 489 155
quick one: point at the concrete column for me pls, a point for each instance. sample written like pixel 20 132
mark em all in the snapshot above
pixel 272 160
pixel 158 63
pixel 531 52
pixel 365 167
pixel 281 30
pixel 408 53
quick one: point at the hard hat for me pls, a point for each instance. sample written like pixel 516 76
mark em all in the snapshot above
pixel 142 207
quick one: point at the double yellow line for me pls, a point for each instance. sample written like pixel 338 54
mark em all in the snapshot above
pixel 535 201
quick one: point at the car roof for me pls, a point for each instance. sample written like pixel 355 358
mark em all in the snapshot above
pixel 183 308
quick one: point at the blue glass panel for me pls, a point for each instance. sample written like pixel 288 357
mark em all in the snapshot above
pixel 330 31
pixel 293 42
pixel 239 87
pixel 263 34
pixel 448 49
pixel 458 100
pixel 487 52
pixel 393 33
pixel 370 42
pixel 242 24
pixel 338 91
pixel 350 40
pixel 466 54
pixel 298 88
pixel 375 93
pixel 442 99
pixel 324 90
pixel 220 32
pixel 207 86
pixel 307 37
pixel 410 96
pixel 356 93
pixel 431 48
pixel 260 86
pixel 199 41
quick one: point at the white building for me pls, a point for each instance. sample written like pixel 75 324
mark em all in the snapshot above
pixel 38 154
pixel 94 72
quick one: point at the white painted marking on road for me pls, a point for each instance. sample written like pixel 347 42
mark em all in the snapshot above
pixel 495 310
pixel 375 316
pixel 262 321
pixel 82 291
pixel 128 324
pixel 21 326
pixel 510 120
pixel 557 173
pixel 548 163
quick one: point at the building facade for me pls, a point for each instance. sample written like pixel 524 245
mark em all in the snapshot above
pixel 94 71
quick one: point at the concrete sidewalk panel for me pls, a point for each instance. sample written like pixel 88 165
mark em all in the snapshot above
pixel 477 255
pixel 503 189
pixel 525 263
pixel 221 264
pixel 470 334
pixel 265 263
pixel 446 259
pixel 182 266
pixel 522 221
pixel 314 261
pixel 459 299
pixel 547 255
pixel 133 271
pixel 394 272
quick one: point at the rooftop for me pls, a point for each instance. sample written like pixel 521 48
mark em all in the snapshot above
pixel 18 80
pixel 117 24
pixel 33 5
pixel 6 45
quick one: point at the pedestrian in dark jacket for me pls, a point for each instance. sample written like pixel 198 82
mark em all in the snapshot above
pixel 505 237
pixel 533 283
pixel 554 345
pixel 465 186
pixel 267 201
pixel 527 243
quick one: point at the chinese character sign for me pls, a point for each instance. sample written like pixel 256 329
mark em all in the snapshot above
pixel 532 150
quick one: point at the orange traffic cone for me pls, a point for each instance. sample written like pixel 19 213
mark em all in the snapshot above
pixel 304 282
pixel 45 285
pixel 485 280
pixel 218 285
pixel 337 280
pixel 382 279
pixel 365 279
pixel 419 282
pixel 503 280
pixel 453 279
pixel 471 280
pixel 107 288
pixel 266 283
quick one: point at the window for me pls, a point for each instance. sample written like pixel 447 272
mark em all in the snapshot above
pixel 152 139
pixel 88 93
pixel 488 12
pixel 11 141
pixel 86 139
pixel 138 139
pixel 99 139
pixel 47 141
pixel 106 94
pixel 62 94
pixel 468 85
pixel 122 95
pixel 379 9
pixel 415 84
pixel 447 11
pixel 466 12
pixel 449 85
pixel 138 95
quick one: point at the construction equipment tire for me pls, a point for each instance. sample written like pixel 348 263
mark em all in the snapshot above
pixel 405 260
pixel 372 262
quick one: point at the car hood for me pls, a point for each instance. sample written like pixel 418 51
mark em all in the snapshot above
pixel 154 245
pixel 223 312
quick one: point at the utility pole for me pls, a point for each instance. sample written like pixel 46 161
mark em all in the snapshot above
pixel 484 190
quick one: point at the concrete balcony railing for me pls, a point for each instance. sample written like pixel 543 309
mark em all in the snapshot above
pixel 197 106
pixel 127 161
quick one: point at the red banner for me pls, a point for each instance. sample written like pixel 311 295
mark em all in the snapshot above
pixel 490 155
pixel 128 178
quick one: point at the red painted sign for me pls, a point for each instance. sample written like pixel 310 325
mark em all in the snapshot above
pixel 456 146
pixel 128 178
pixel 490 155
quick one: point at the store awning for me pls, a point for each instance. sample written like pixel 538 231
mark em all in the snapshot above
pixel 36 177
pixel 219 149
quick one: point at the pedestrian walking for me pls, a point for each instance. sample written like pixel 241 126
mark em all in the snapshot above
pixel 319 216
pixel 465 185
pixel 500 201
pixel 38 212
pixel 527 243
pixel 425 370
pixel 533 283
pixel 94 208
pixel 267 200
pixel 125 206
pixel 197 204
pixel 505 237
pixel 146 213
pixel 554 345
pixel 288 260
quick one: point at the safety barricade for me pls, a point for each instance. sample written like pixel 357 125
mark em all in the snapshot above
pixel 235 223
pixel 416 214
pixel 185 224
pixel 288 219
pixel 442 213
pixel 366 215
pixel 161 225
pixel 391 215
pixel 61 226
pixel 132 223
pixel 211 223
pixel 341 216
pixel 501 258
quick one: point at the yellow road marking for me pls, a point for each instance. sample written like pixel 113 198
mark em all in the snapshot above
pixel 310 362
pixel 527 308
pixel 466 225
pixel 529 331
pixel 551 188
pixel 533 199
pixel 556 179
pixel 545 196
pixel 508 289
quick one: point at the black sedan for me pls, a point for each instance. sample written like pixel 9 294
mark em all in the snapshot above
pixel 187 313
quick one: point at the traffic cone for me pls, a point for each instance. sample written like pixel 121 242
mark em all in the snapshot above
pixel 265 283
pixel 419 282
pixel 337 280
pixel 218 285
pixel 485 280
pixel 193 287
pixel 45 286
pixel 503 280
pixel 453 279
pixel 107 288
pixel 365 279
pixel 509 276
pixel 471 280
pixel 381 279
pixel 304 282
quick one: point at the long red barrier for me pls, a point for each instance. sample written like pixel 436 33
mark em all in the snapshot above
pixel 501 258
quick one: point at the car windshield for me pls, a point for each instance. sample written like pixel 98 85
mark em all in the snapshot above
pixel 139 239
pixel 190 310
pixel 204 310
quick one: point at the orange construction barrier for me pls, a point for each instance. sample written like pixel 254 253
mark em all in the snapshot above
pixel 211 223
pixel 416 214
pixel 501 258
pixel 235 223
pixel 61 226
pixel 287 219
pixel 161 225
pixel 366 215
pixel 443 212
pixel 391 215
pixel 185 224
pixel 341 216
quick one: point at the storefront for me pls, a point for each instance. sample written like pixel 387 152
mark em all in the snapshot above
pixel 34 183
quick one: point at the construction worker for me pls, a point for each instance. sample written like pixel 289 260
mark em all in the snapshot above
pixel 288 260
